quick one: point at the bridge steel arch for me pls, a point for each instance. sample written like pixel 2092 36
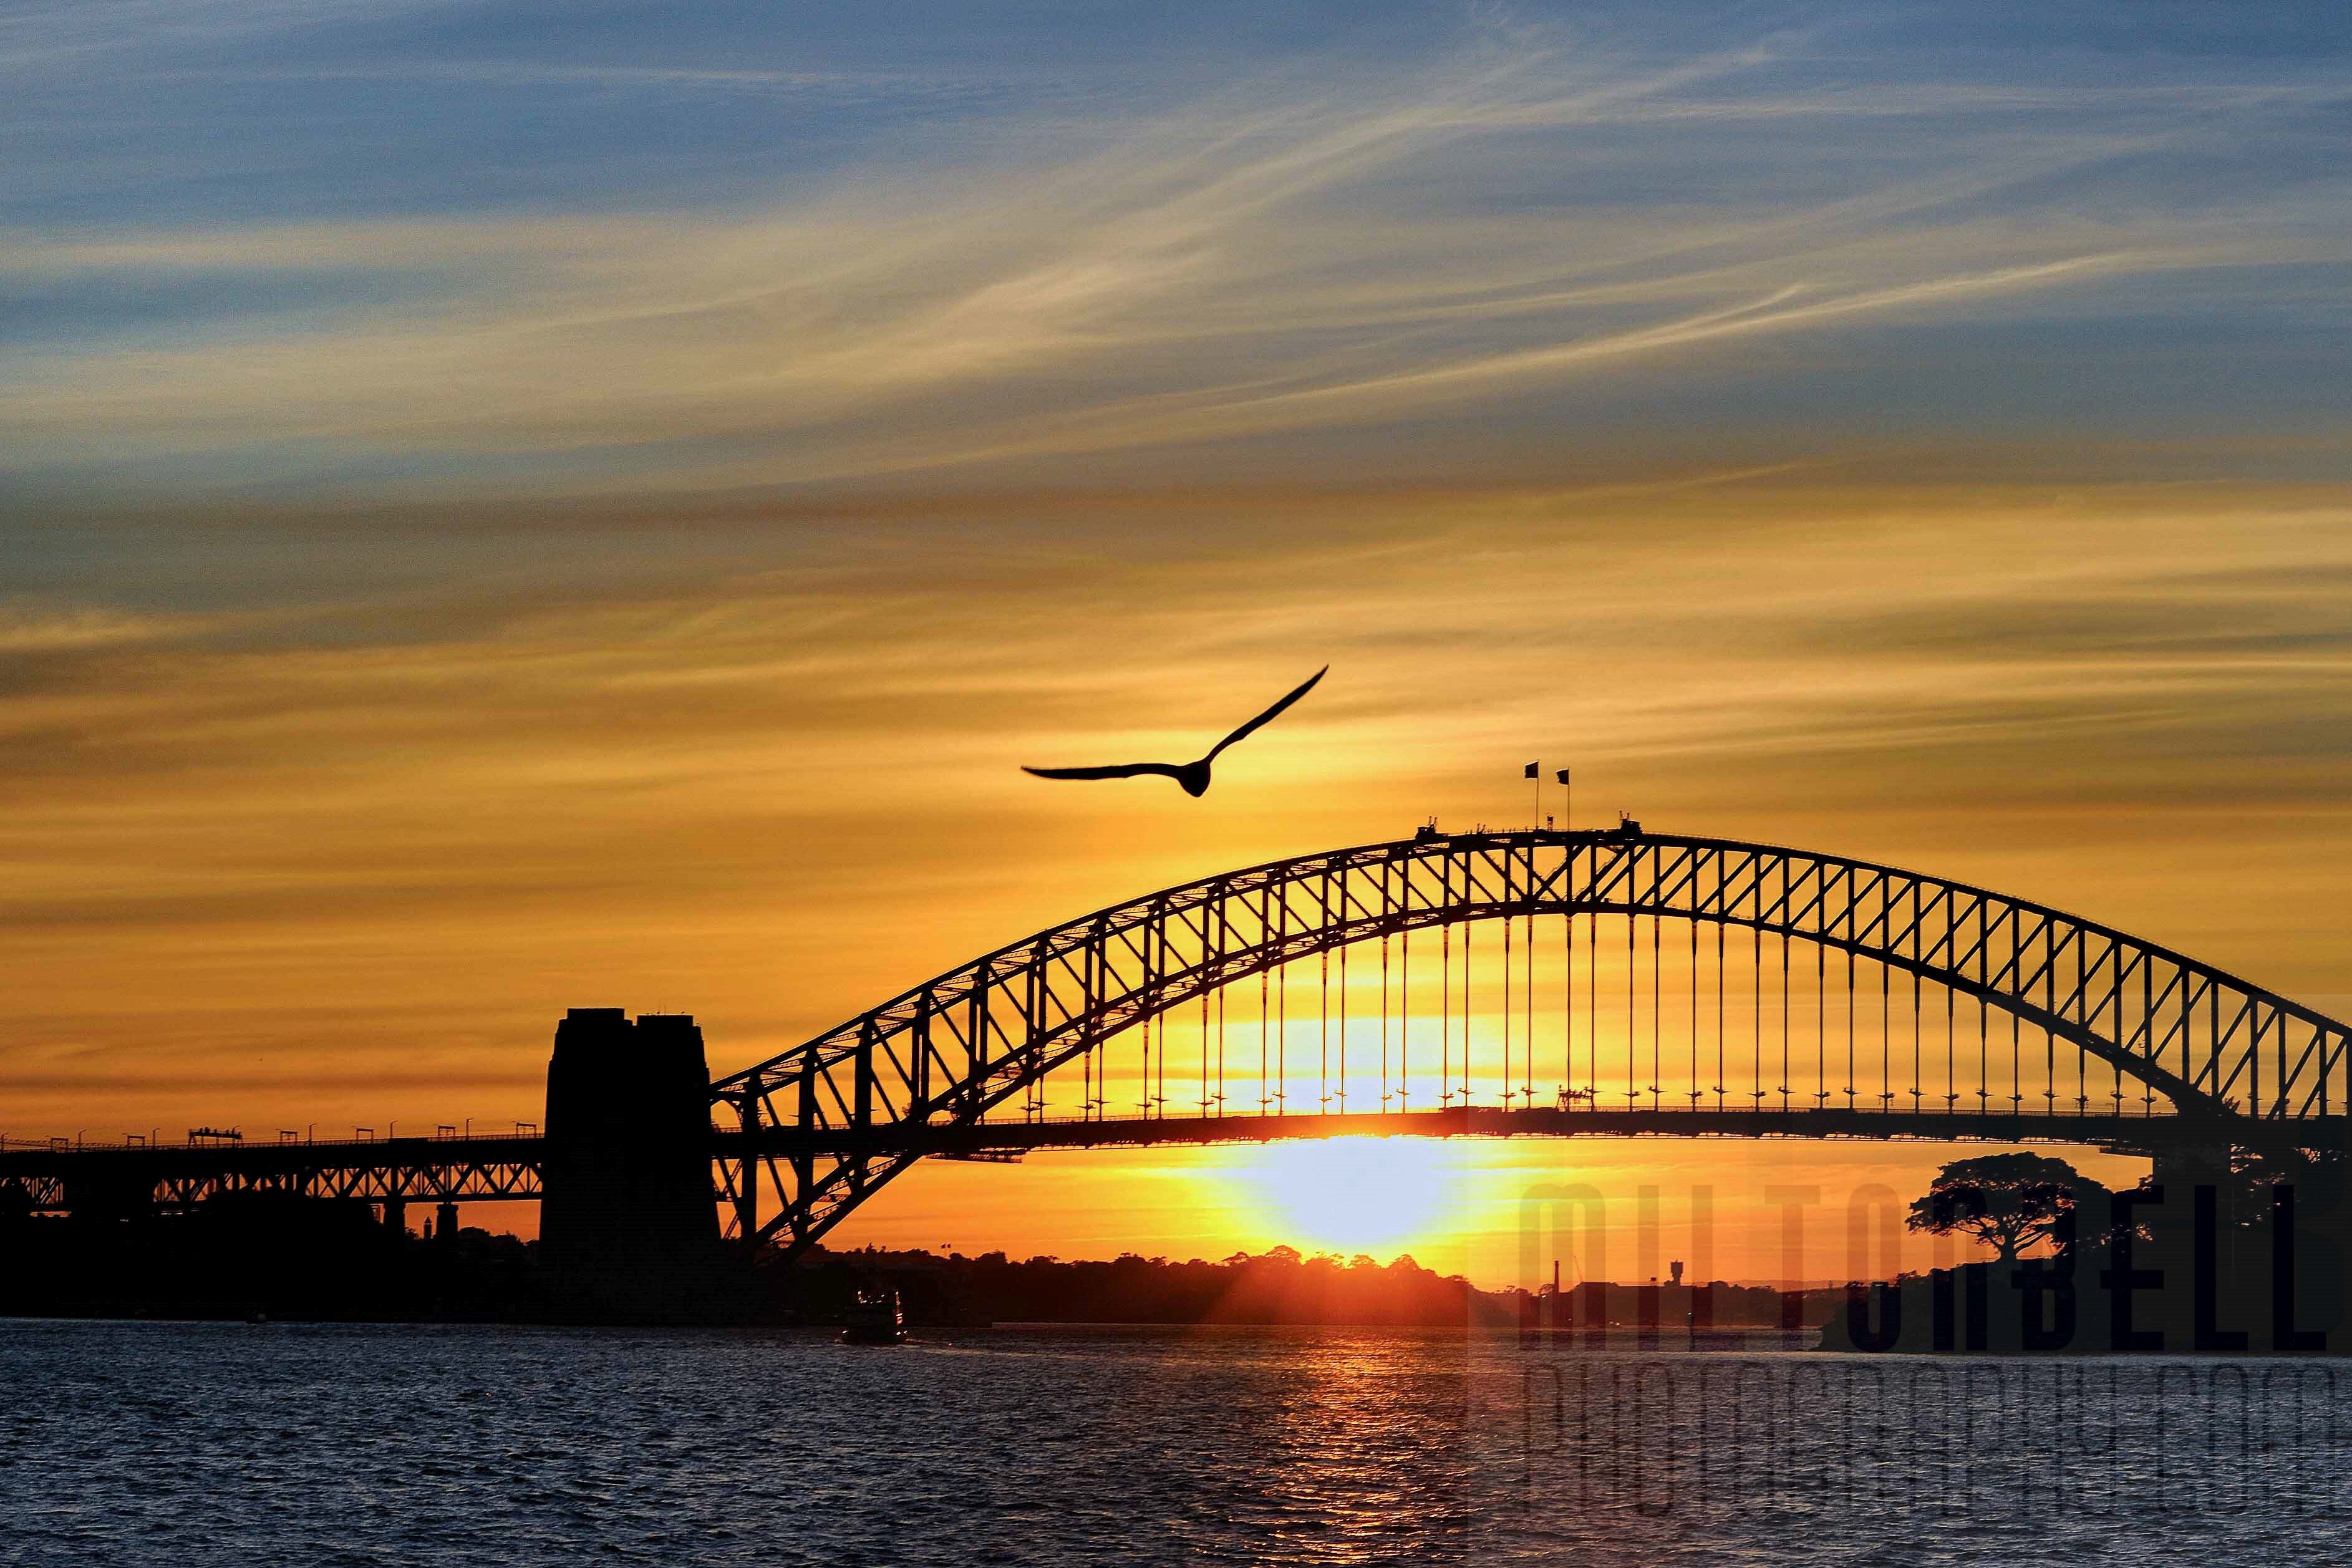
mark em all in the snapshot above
pixel 827 1124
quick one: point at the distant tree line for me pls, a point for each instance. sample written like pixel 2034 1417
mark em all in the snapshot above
pixel 1278 1286
pixel 270 1254
pixel 2247 1254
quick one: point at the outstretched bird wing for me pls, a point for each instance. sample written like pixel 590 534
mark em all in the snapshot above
pixel 1303 688
pixel 1116 770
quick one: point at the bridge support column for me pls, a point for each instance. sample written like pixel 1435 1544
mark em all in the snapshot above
pixel 747 1173
pixel 628 1227
pixel 444 1226
pixel 395 1215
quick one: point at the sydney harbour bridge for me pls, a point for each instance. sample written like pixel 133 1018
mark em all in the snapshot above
pixel 1515 982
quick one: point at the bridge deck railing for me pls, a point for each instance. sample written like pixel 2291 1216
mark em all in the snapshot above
pixel 95 1146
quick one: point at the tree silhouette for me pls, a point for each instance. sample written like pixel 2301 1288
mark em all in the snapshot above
pixel 2009 1202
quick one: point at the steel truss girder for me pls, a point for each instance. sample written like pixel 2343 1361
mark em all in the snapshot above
pixel 1036 1005
pixel 185 1178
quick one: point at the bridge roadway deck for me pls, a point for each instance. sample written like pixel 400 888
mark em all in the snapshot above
pixel 2127 1134
pixel 489 1169
pixel 406 1170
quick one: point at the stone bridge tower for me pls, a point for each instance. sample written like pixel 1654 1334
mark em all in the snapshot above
pixel 628 1230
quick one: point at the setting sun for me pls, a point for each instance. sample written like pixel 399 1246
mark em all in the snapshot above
pixel 1356 1194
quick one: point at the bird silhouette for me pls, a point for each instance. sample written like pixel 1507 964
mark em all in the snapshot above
pixel 1194 777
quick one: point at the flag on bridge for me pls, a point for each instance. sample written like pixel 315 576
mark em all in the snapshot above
pixel 1560 777
pixel 1533 770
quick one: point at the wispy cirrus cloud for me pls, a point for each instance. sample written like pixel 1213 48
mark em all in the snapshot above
pixel 1524 216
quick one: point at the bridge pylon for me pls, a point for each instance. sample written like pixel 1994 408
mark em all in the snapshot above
pixel 627 1230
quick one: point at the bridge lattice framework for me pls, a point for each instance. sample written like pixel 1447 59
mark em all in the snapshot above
pixel 821 1128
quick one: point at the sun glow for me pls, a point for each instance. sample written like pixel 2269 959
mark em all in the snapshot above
pixel 1356 1194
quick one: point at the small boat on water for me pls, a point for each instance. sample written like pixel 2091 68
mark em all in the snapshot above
pixel 875 1319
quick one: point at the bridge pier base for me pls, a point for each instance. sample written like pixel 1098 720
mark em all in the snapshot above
pixel 628 1228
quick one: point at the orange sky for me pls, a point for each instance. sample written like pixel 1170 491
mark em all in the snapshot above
pixel 272 880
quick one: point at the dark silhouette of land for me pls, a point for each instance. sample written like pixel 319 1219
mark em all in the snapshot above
pixel 2250 1258
pixel 2248 1261
pixel 267 1254
pixel 332 1261
pixel 1280 1287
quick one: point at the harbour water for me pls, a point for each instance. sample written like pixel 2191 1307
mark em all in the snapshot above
pixel 228 1443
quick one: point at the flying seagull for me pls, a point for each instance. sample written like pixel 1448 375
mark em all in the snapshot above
pixel 1192 776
